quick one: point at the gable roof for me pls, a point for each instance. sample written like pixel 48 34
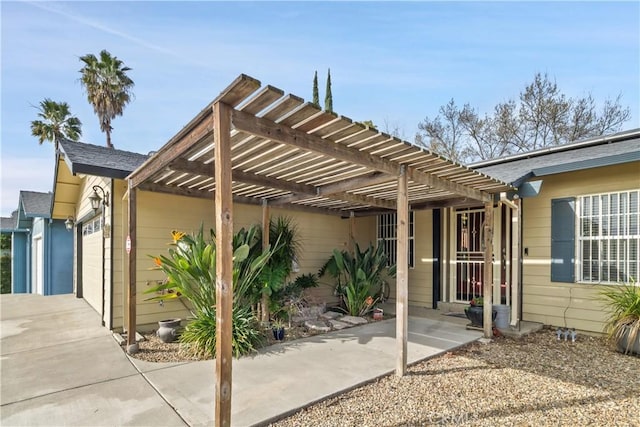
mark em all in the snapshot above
pixel 100 161
pixel 623 147
pixel 35 204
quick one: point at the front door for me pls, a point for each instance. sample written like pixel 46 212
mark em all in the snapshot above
pixel 469 254
pixel 468 273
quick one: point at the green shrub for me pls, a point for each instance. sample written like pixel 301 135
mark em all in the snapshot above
pixel 359 277
pixel 5 274
pixel 190 268
pixel 199 336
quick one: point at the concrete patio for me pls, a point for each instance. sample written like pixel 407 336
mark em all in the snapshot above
pixel 60 367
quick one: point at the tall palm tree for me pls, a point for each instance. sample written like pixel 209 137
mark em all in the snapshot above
pixel 107 86
pixel 55 122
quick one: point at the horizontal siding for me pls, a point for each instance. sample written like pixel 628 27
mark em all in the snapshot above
pixel 159 214
pixel 572 305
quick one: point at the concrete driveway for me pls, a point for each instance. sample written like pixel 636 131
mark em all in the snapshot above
pixel 60 367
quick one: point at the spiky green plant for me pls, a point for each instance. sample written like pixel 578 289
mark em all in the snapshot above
pixel 623 323
pixel 359 277
pixel 199 336
pixel 190 268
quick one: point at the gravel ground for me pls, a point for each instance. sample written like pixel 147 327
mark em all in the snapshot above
pixel 532 381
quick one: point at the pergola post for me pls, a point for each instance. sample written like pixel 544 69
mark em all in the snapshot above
pixel 402 270
pixel 131 246
pixel 488 270
pixel 224 262
pixel 265 245
pixel 516 219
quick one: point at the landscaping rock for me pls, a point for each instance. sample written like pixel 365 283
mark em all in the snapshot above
pixel 337 325
pixel 330 315
pixel 353 320
pixel 317 325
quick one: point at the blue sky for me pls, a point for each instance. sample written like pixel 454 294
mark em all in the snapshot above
pixel 390 62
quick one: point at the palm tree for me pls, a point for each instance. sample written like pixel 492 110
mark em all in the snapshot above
pixel 55 122
pixel 107 86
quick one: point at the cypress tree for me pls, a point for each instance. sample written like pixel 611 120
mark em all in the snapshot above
pixel 328 99
pixel 316 96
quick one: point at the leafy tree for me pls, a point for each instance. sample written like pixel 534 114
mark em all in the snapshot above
pixel 316 96
pixel 328 98
pixel 543 116
pixel 54 122
pixel 107 86
pixel 5 264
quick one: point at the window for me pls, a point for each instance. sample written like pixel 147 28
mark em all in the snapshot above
pixel 387 236
pixel 92 226
pixel 608 237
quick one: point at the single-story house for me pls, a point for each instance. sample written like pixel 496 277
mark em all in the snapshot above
pixel 580 206
pixel 341 181
pixel 42 248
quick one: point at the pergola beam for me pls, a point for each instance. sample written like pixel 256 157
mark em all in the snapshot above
pixel 268 129
pixel 302 191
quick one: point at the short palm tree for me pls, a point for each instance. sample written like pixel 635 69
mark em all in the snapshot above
pixel 107 86
pixel 55 122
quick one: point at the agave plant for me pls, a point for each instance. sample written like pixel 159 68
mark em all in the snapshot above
pixel 623 325
pixel 359 277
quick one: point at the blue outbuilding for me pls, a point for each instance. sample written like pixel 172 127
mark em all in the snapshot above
pixel 41 249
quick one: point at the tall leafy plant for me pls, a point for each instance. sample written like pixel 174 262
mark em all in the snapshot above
pixel 359 277
pixel 623 325
pixel 190 267
pixel 285 244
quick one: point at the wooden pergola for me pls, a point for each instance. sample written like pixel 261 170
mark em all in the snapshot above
pixel 256 145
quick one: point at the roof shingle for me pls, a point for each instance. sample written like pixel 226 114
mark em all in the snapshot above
pixel 100 161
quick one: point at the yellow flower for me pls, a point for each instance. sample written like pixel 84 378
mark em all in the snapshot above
pixel 177 235
pixel 369 300
pixel 158 261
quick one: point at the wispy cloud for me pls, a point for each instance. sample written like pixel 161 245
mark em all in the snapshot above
pixel 99 26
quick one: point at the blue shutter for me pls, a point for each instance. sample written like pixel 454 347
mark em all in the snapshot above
pixel 563 234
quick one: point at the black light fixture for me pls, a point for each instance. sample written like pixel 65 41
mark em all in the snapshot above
pixel 96 200
pixel 69 223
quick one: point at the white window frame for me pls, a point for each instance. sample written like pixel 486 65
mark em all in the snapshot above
pixel 387 232
pixel 625 243
pixel 93 226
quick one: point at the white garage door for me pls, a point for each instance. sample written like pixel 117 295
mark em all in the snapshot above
pixel 92 264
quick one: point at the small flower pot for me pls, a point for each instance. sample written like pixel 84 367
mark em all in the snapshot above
pixel 168 330
pixel 278 333
pixel 378 314
pixel 475 314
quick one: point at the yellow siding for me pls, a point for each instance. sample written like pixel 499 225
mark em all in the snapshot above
pixel 92 249
pixel 572 305
pixel 421 275
pixel 158 214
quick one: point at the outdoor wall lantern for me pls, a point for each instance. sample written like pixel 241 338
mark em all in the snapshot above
pixel 69 223
pixel 96 200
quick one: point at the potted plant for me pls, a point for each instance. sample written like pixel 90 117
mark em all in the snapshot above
pixel 277 327
pixel 168 330
pixel 623 324
pixel 475 312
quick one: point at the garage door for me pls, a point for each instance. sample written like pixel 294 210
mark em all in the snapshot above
pixel 92 263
